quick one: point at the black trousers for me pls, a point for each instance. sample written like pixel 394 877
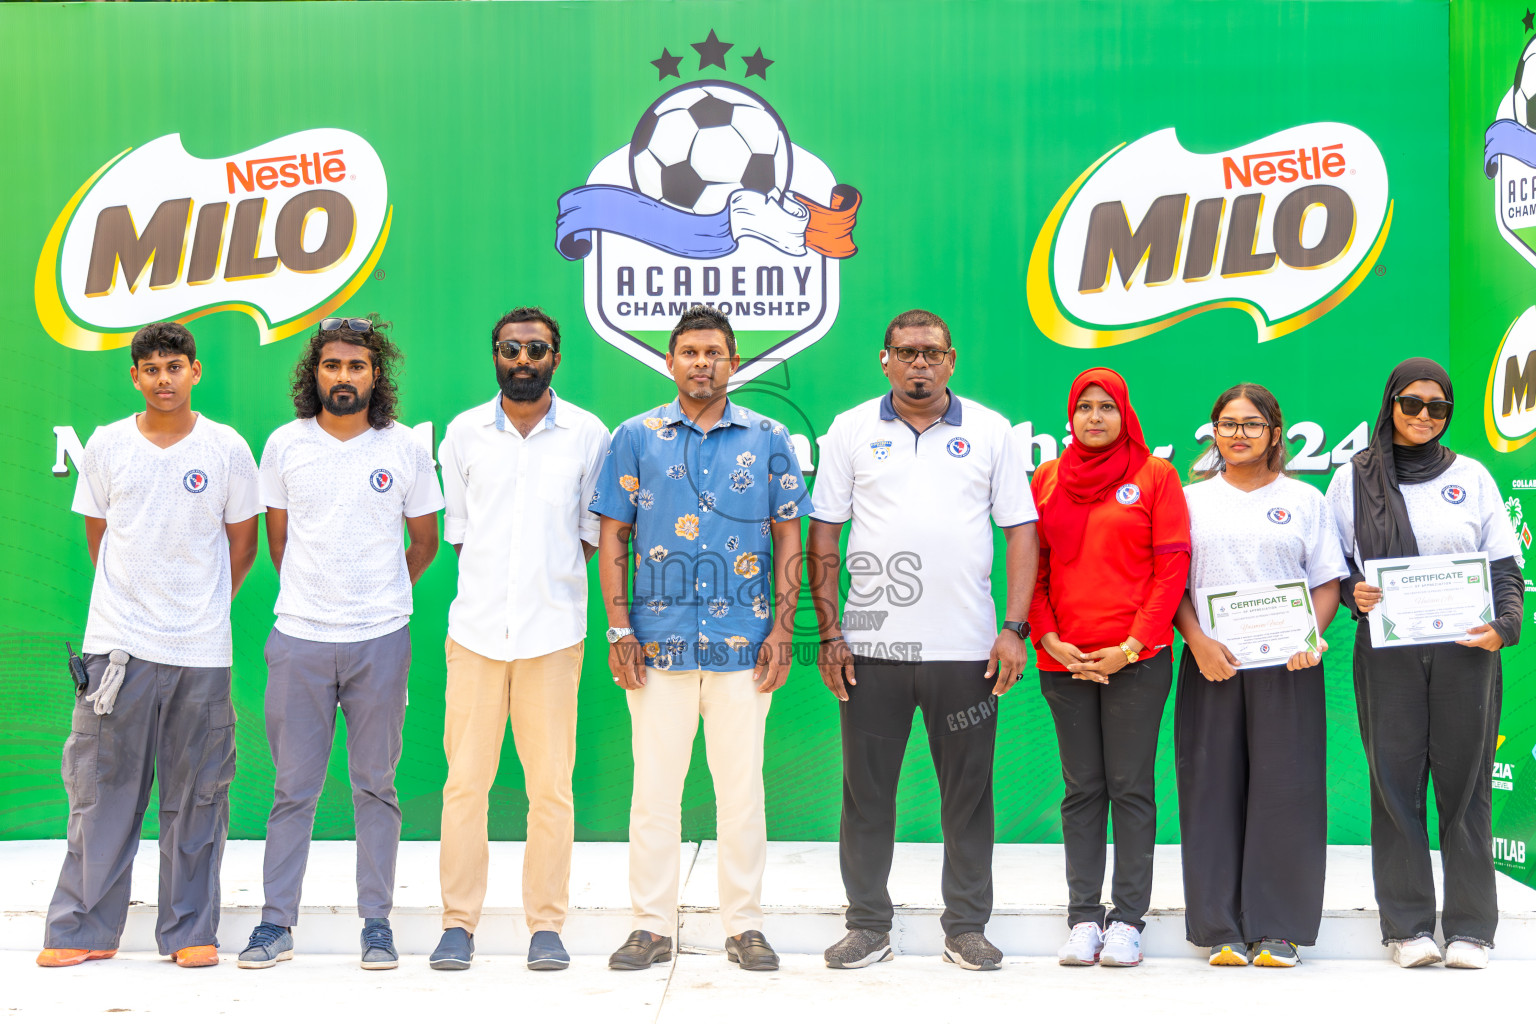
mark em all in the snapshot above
pixel 1430 710
pixel 1251 754
pixel 1107 734
pixel 960 714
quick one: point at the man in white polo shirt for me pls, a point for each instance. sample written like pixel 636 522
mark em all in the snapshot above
pixel 170 502
pixel 339 482
pixel 919 473
pixel 517 474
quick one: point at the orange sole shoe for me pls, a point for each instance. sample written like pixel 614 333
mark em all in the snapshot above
pixel 196 956
pixel 72 957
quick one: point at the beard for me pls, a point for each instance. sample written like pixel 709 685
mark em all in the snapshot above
pixel 524 389
pixel 344 399
pixel 919 389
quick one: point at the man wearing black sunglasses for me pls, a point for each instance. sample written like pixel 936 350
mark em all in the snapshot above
pixel 517 474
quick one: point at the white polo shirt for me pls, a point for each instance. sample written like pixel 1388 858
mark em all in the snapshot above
pixel 162 583
pixel 344 577
pixel 518 505
pixel 920 548
pixel 1458 512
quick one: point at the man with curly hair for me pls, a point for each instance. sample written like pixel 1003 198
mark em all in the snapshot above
pixel 708 496
pixel 338 483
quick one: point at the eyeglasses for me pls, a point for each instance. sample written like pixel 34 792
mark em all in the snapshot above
pixel 335 323
pixel 1230 428
pixel 931 356
pixel 1412 405
pixel 510 349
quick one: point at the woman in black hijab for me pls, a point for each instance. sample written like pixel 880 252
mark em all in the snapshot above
pixel 1428 709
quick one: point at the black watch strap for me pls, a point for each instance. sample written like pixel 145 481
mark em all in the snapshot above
pixel 1021 628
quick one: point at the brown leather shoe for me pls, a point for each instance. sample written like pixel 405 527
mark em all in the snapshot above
pixel 196 956
pixel 751 950
pixel 641 950
pixel 71 957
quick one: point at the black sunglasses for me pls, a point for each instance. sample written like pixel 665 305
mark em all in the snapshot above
pixel 353 323
pixel 510 349
pixel 1412 405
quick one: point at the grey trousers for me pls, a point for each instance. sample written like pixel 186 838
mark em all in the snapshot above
pixel 306 679
pixel 172 722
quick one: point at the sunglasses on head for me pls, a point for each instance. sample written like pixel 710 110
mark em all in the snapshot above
pixel 510 349
pixel 1412 405
pixel 353 323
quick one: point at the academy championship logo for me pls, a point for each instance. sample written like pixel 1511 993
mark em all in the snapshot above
pixel 1284 229
pixel 710 202
pixel 195 481
pixel 382 480
pixel 1127 494
pixel 1279 516
pixel 959 447
pixel 882 450
pixel 285 232
pixel 1454 494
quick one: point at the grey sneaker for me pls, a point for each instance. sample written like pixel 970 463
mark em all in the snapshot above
pixel 269 945
pixel 859 948
pixel 378 945
pixel 973 952
pixel 1275 953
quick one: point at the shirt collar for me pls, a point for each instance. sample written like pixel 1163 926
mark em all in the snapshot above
pixel 732 415
pixel 555 417
pixel 951 415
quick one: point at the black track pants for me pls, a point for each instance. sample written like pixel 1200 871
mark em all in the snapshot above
pixel 1251 753
pixel 1430 710
pixel 960 715
pixel 1107 734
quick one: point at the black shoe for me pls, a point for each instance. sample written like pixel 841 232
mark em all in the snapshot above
pixel 454 952
pixel 973 952
pixel 751 950
pixel 859 948
pixel 641 950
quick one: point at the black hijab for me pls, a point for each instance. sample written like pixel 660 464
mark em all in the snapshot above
pixel 1382 529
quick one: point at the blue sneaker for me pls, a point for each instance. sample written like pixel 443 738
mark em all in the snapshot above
pixel 378 945
pixel 269 945
pixel 546 953
pixel 455 951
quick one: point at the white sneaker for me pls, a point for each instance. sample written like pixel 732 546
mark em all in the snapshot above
pixel 1122 946
pixel 1082 946
pixel 1418 952
pixel 1466 954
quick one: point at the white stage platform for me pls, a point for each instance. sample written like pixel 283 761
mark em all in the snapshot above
pixel 802 894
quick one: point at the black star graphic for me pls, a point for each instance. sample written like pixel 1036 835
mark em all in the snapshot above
pixel 666 64
pixel 757 65
pixel 1529 17
pixel 712 51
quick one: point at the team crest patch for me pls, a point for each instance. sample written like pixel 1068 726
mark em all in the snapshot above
pixel 709 201
pixel 1128 494
pixel 195 481
pixel 959 447
pixel 1279 515
pixel 1454 493
pixel 882 450
pixel 381 480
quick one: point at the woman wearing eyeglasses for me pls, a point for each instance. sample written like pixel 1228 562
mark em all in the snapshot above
pixel 1114 554
pixel 1250 742
pixel 1428 709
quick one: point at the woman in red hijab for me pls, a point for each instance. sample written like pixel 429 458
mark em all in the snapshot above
pixel 1114 556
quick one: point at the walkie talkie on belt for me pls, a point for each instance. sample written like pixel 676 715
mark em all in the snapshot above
pixel 77 670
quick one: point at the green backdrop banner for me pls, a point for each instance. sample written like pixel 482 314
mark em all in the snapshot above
pixel 1195 194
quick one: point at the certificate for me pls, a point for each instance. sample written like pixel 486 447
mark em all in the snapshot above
pixel 1429 599
pixel 1262 624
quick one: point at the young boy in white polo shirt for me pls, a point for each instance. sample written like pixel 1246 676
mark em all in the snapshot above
pixel 339 482
pixel 170 504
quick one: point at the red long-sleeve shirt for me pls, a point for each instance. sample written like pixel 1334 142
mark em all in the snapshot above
pixel 1131 572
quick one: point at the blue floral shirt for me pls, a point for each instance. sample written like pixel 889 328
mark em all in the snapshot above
pixel 701 505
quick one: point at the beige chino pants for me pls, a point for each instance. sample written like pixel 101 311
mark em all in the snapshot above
pixel 538 695
pixel 664 717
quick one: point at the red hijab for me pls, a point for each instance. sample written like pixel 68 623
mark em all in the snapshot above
pixel 1090 475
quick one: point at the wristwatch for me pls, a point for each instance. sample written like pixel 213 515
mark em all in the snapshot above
pixel 1021 628
pixel 1130 655
pixel 617 633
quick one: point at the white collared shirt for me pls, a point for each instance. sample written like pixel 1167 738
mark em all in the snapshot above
pixel 920 550
pixel 518 505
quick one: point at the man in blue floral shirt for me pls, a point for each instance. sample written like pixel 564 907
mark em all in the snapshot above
pixel 703 499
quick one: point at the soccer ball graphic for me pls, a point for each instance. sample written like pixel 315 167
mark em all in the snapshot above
pixel 1525 85
pixel 700 142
